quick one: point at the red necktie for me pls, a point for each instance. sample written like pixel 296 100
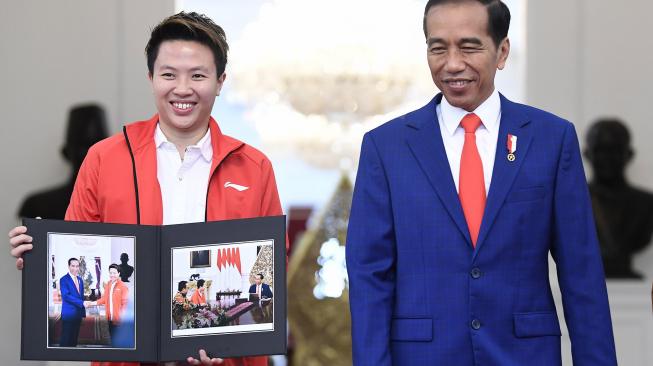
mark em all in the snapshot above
pixel 471 184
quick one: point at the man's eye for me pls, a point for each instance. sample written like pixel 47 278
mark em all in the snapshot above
pixel 470 49
pixel 437 50
pixel 198 76
pixel 167 75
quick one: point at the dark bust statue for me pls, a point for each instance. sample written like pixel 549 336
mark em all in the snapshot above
pixel 86 126
pixel 125 269
pixel 623 213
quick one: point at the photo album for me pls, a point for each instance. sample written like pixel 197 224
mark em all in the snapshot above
pixel 114 292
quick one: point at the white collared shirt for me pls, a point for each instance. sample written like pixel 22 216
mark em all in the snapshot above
pixel 453 134
pixel 113 285
pixel 184 183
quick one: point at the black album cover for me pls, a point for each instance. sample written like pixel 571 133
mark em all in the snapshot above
pixel 113 292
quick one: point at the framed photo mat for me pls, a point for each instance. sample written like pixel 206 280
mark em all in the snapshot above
pixel 153 248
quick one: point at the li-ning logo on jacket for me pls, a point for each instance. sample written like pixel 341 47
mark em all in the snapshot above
pixel 235 186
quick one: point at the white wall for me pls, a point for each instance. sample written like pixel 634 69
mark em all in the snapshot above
pixel 591 58
pixel 55 54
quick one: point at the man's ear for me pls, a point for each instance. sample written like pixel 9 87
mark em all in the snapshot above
pixel 502 53
pixel 220 81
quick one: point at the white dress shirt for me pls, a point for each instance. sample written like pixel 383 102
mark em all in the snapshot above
pixel 184 183
pixel 453 134
pixel 113 285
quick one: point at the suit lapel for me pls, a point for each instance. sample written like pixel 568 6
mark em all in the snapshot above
pixel 424 139
pixel 516 123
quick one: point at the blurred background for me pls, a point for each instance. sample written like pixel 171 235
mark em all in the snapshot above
pixel 305 80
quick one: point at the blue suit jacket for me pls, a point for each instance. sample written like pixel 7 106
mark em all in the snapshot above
pixel 265 290
pixel 72 302
pixel 421 294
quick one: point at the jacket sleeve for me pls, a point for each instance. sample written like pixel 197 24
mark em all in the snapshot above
pixel 83 204
pixel 578 261
pixel 370 255
pixel 103 299
pixel 125 296
pixel 270 204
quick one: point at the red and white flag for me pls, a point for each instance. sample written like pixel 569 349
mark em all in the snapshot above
pixel 512 144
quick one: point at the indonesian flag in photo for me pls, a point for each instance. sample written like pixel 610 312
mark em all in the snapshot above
pixel 229 268
pixel 223 271
pixel 238 261
pixel 219 261
pixel 232 271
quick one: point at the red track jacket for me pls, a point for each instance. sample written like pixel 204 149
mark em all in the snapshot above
pixel 105 190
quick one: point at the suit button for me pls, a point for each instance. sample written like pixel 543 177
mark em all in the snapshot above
pixel 476 324
pixel 476 273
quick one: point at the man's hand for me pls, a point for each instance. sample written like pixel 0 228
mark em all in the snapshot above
pixel 204 360
pixel 20 242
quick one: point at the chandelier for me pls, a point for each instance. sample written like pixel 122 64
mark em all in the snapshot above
pixel 316 76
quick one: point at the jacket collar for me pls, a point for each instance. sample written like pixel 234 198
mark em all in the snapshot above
pixel 141 140
pixel 141 135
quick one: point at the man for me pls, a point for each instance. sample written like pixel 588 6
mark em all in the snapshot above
pixel 72 304
pixel 455 210
pixel 114 298
pixel 176 167
pixel 260 289
pixel 180 301
pixel 199 296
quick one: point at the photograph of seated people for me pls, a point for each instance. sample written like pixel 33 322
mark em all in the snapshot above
pixel 114 298
pixel 260 290
pixel 221 297
pixel 72 304
pixel 186 59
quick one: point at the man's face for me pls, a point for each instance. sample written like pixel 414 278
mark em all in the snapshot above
pixel 73 268
pixel 258 280
pixel 113 274
pixel 185 84
pixel 184 291
pixel 461 54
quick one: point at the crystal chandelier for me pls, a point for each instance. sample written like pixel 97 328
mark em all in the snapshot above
pixel 315 77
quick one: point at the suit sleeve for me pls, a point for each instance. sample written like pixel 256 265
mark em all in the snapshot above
pixel 83 204
pixel 370 255
pixel 578 261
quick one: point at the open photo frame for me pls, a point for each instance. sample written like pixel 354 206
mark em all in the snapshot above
pixel 110 292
